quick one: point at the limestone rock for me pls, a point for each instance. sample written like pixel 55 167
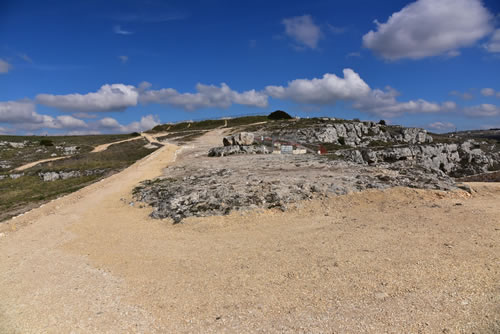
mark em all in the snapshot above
pixel 241 139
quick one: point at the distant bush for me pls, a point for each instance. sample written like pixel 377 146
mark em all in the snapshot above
pixel 279 114
pixel 382 122
pixel 356 120
pixel 135 134
pixel 46 142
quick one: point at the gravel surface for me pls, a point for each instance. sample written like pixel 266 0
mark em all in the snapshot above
pixel 379 261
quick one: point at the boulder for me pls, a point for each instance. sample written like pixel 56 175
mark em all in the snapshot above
pixel 241 139
pixel 236 149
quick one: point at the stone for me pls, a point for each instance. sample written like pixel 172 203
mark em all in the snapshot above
pixel 236 149
pixel 241 139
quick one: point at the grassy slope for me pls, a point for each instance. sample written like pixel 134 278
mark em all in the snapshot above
pixel 29 190
pixel 33 151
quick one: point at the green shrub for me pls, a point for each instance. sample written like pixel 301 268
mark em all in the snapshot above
pixel 382 122
pixel 46 142
pixel 278 115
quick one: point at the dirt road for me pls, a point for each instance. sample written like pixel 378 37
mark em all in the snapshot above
pixel 393 261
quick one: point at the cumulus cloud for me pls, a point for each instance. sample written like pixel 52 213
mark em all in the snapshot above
pixel 303 30
pixel 22 115
pixel 493 44
pixel 4 66
pixel 207 96
pixel 116 97
pixel 118 30
pixel 19 112
pixel 326 90
pixel 428 28
pixel 442 126
pixel 483 110
pixel 384 103
pixel 108 124
pixel 490 92
pixel 352 88
pixel 70 122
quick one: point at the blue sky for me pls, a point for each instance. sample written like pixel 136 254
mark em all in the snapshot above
pixel 121 66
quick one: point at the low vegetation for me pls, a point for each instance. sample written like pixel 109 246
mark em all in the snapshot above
pixel 33 148
pixel 29 190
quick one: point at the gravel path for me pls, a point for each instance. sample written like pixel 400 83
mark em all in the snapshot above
pixel 394 261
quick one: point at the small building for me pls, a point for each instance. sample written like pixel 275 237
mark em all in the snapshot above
pixel 286 149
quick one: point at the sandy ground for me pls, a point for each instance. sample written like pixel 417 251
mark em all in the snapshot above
pixel 395 261
pixel 34 163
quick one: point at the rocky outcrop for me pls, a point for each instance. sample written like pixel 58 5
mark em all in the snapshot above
pixel 236 149
pixel 63 175
pixel 240 139
pixel 355 134
pixel 269 181
pixel 5 165
pixel 453 159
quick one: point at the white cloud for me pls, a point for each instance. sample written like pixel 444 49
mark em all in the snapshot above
pixel 19 112
pixel 327 90
pixel 123 59
pixel 428 28
pixel 352 88
pixel 70 122
pixel 110 124
pixel 118 30
pixel 483 110
pixel 489 92
pixel 303 30
pixel 384 103
pixel 207 96
pixel 22 115
pixel 493 44
pixel 442 126
pixel 116 97
pixel 4 66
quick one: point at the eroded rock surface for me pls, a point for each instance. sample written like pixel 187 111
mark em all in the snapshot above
pixel 269 181
pixel 355 134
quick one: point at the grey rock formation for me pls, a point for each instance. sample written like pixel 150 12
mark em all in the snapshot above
pixel 4 164
pixel 355 134
pixel 241 139
pixel 18 145
pixel 269 181
pixel 63 175
pixel 236 149
pixel 453 159
pixel 70 150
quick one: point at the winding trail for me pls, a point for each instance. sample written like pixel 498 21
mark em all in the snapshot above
pixel 34 163
pixel 99 148
pixel 401 260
